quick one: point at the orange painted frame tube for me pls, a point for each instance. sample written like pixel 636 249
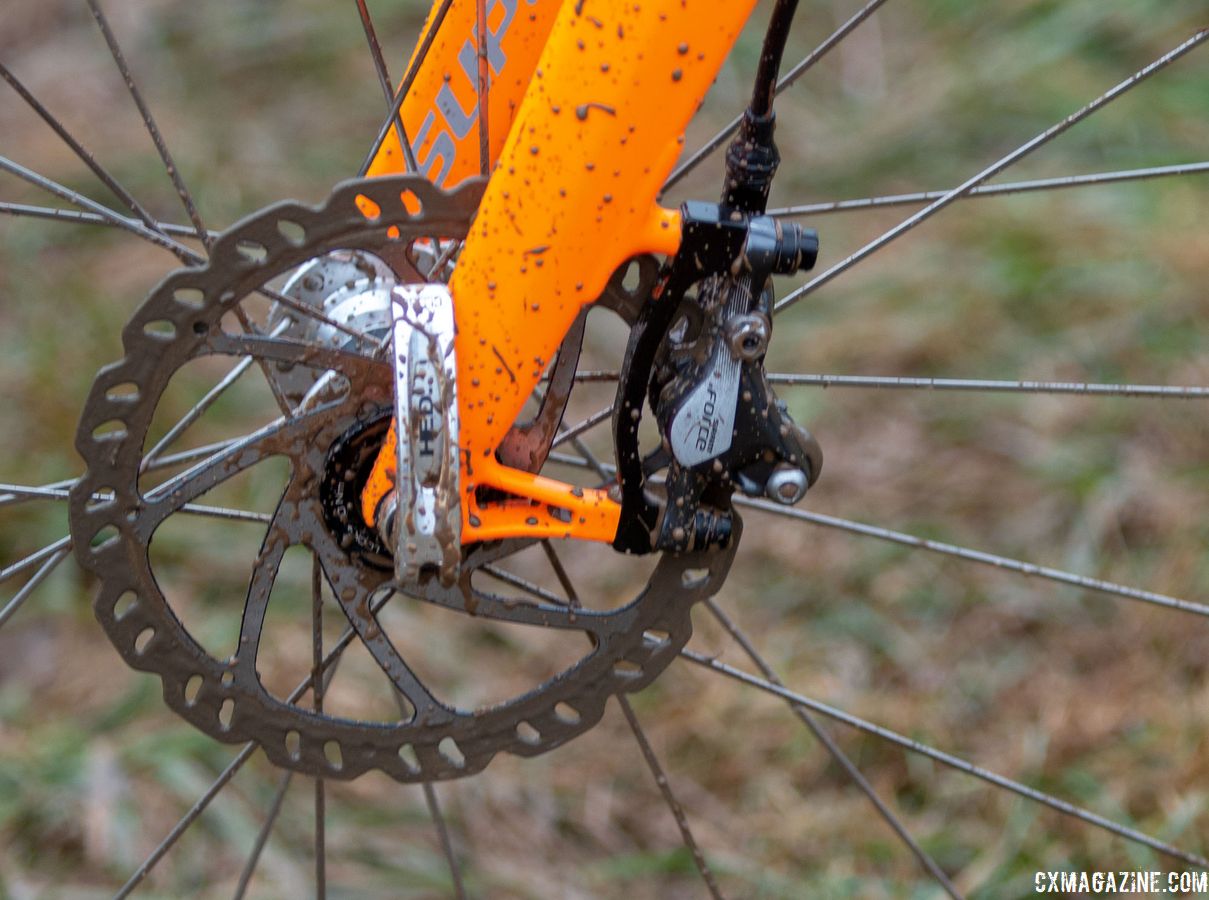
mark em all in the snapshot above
pixel 441 111
pixel 571 197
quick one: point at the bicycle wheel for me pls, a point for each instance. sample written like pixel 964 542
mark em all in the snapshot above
pixel 1071 662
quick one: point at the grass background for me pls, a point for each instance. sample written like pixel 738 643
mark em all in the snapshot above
pixel 1097 699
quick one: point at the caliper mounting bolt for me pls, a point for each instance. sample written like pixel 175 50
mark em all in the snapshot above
pixel 787 484
pixel 747 336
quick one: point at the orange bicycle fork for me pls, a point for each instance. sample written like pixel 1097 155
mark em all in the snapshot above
pixel 588 126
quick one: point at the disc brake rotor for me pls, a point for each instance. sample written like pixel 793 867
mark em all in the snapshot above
pixel 113 520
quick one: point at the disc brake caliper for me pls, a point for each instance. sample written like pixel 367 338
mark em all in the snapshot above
pixel 697 353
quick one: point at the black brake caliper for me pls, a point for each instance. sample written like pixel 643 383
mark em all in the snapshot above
pixel 696 352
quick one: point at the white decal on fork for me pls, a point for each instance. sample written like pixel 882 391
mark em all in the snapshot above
pixel 456 123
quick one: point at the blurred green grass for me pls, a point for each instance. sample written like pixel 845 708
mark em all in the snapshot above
pixel 1090 697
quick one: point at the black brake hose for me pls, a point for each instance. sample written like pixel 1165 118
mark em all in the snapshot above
pixel 770 57
pixel 752 158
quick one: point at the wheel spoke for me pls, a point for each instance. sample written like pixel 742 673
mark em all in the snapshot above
pixel 413 70
pixel 982 385
pixel 30 586
pixel 561 574
pixel 602 470
pixel 503 575
pixel 317 705
pixel 233 458
pixel 78 149
pixel 75 217
pixel 270 377
pixel 990 171
pixel 665 788
pixel 573 601
pixel 553 614
pixel 11 494
pixel 220 512
pixel 160 239
pixel 484 82
pixel 187 456
pixel 837 754
pixel 161 147
pixel 180 251
pixel 262 837
pixel 198 409
pixel 439 264
pixel 195 413
pixel 187 256
pixel 188 819
pixel 798 700
pixel 592 376
pixel 223 461
pixel 978 556
pixel 173 172
pixel 438 821
pixel 312 313
pixel 992 190
pixel 528 587
pixel 586 425
pixel 375 52
pixel 970 555
pixel 945 759
pixel 783 83
pixel 197 509
pixel 608 470
pixel 327 670
pixel 63 543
